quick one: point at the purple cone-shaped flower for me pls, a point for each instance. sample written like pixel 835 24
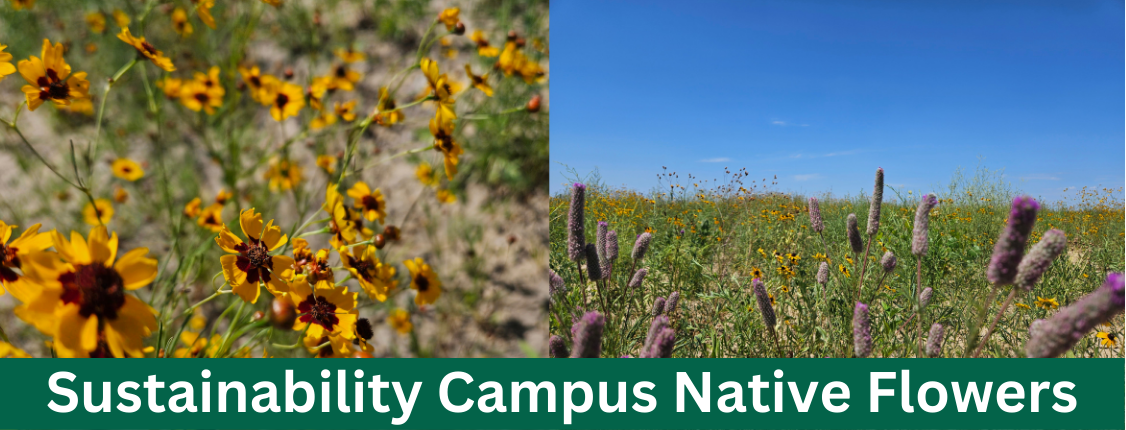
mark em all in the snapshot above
pixel 612 245
pixel 1054 336
pixel 934 340
pixel 660 340
pixel 861 331
pixel 576 236
pixel 670 304
pixel 877 200
pixel 764 305
pixel 587 335
pixel 815 215
pixel 556 348
pixel 1033 265
pixel 823 274
pixel 658 306
pixel 600 234
pixel 1009 248
pixel 641 246
pixel 920 240
pixel 555 283
pixel 925 297
pixel 593 269
pixel 638 277
pixel 889 261
pixel 854 235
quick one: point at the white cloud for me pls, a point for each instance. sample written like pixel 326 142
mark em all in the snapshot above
pixel 806 177
pixel 1040 177
pixel 781 123
pixel 715 160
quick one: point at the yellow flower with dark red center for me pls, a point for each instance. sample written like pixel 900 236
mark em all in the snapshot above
pixel 479 82
pixel 203 10
pixel 349 55
pixel 121 18
pixel 6 67
pixel 191 210
pixel 127 169
pixel 96 21
pixel 98 213
pixel 223 196
pixel 283 174
pixel 147 50
pixel 171 87
pixel 376 278
pixel 400 320
pixel 286 101
pixel 22 4
pixel 77 295
pixel 196 95
pixel 340 218
pixel 449 17
pixel 180 22
pixel 442 130
pixel 423 280
pixel 211 218
pixel 50 79
pixel 259 85
pixel 756 273
pixel 80 106
pixel 342 78
pixel 440 87
pixel 425 174
pixel 330 314
pixel 7 350
pixel 211 81
pixel 323 120
pixel 445 196
pixel 388 115
pixel 346 111
pixel 327 163
pixel 1109 340
pixel 312 265
pixel 13 254
pixel 1043 303
pixel 844 270
pixel 483 47
pixel 369 202
pixel 251 263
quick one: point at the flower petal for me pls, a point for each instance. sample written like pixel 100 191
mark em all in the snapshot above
pixel 231 272
pixel 136 270
pixel 228 241
pixel 251 223
pixel 76 332
pixel 273 238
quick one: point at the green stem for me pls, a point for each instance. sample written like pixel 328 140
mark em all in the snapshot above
pixel 101 113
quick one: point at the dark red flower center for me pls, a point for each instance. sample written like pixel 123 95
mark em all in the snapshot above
pixel 255 81
pixel 341 71
pixel 148 48
pixel 255 260
pixel 369 201
pixel 97 289
pixel 51 87
pixel 319 310
pixel 422 282
pixel 281 101
pixel 365 268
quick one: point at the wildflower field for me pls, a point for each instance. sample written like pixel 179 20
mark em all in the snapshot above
pixel 734 269
pixel 249 178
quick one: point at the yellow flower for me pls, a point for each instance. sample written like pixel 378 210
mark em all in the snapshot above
pixel 442 130
pixel 1109 340
pixel 483 48
pixel 121 18
pixel 425 174
pixel 77 295
pixel 323 120
pixel 198 346
pixel 283 175
pixel 180 22
pixel 274 3
pixel 156 56
pixel 449 18
pixel 287 101
pixel 50 79
pixel 340 222
pixel 223 196
pixel 211 218
pixel 346 111
pixel 96 21
pixel 191 210
pixel 1023 306
pixel 312 265
pixel 8 350
pixel 258 84
pixel 80 106
pixel 445 196
pixel 844 270
pixel 127 169
pixel 327 163
pixel 376 278
pixel 120 195
pixel 195 95
pixel 98 213
pixel 22 4
pixel 342 78
pixel 479 82
pixel 6 67
pixel 388 115
pixel 13 254
pixel 423 280
pixel 203 9
pixel 400 320
pixel 349 55
pixel 330 314
pixel 369 202
pixel 251 262
pixel 171 87
pixel 756 273
pixel 1043 303
pixel 440 87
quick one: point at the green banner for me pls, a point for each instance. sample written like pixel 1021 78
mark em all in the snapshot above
pixel 546 393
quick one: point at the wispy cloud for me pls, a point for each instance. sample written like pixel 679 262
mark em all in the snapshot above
pixel 839 153
pixel 808 177
pixel 1040 177
pixel 781 123
pixel 715 160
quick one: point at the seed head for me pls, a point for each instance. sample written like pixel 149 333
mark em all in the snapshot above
pixel 861 331
pixel 815 215
pixel 641 246
pixel 576 236
pixel 638 277
pixel 889 261
pixel 658 306
pixel 764 305
pixel 557 348
pixel 920 240
pixel 1054 336
pixel 934 340
pixel 877 200
pixel 1033 265
pixel 1009 249
pixel 854 235
pixel 587 335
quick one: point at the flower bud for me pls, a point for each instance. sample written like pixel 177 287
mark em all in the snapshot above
pixel 282 314
pixel 363 329
pixel 1009 249
pixel 555 283
pixel 459 29
pixel 658 306
pixel 533 105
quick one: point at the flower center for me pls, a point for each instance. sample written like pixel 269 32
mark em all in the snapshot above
pixel 370 202
pixel 97 289
pixel 281 101
pixel 148 48
pixel 51 88
pixel 258 255
pixel 364 267
pixel 422 283
pixel 201 97
pixel 318 309
pixel 255 82
pixel 341 71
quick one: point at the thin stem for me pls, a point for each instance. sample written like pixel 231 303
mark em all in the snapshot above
pixel 993 325
pixel 401 154
pixel 101 113
pixel 864 267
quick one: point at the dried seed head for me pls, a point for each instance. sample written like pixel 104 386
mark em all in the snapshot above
pixel 854 235
pixel 670 304
pixel 877 200
pixel 587 336
pixel 1054 336
pixel 934 340
pixel 1033 265
pixel 593 269
pixel 658 306
pixel 861 331
pixel 556 348
pixel 920 236
pixel 638 277
pixel 764 305
pixel 925 297
pixel 576 236
pixel 1009 249
pixel 889 261
pixel 815 215
pixel 641 246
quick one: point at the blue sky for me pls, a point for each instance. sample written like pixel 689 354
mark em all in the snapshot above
pixel 820 93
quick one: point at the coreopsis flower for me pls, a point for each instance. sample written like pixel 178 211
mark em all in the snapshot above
pixel 511 59
pixel 934 340
pixel 100 212
pixel 287 101
pixel 920 236
pixel 256 83
pixel 127 169
pixel 1044 303
pixel 312 265
pixel 638 278
pixel 330 314
pixel 449 17
pixel 387 114
pixel 147 50
pixel 349 55
pixel 211 218
pixel 8 350
pixel 323 120
pixel 844 270
pixel 77 295
pixel 442 129
pixel 1056 335
pixel 96 21
pixel 369 202
pixel 203 10
pixel 440 88
pixel 22 4
pixel 423 280
pixel 400 320
pixel 283 174
pixel 171 87
pixel 854 235
pixel 6 67
pixel 180 22
pixel 223 196
pixel 586 334
pixel 50 79
pixel 376 278
pixel 340 218
pixel 531 71
pixel 1009 248
pixel 479 82
pixel 1109 340
pixel 557 348
pixel 425 175
pixel 196 95
pixel 121 18
pixel 861 331
pixel 483 48
pixel 346 111
pixel 12 255
pixel 342 78
pixel 250 263
pixel 1033 265
pixel 192 209
pixel 120 195
pixel 874 206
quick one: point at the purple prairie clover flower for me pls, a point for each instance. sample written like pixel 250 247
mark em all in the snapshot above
pixel 815 215
pixel 658 306
pixel 556 348
pixel 877 200
pixel 823 274
pixel 641 246
pixel 612 245
pixel 576 236
pixel 925 297
pixel 1054 336
pixel 934 340
pixel 920 240
pixel 854 235
pixel 587 336
pixel 1033 265
pixel 600 234
pixel 764 305
pixel 637 278
pixel 555 284
pixel 888 262
pixel 660 339
pixel 1009 249
pixel 593 269
pixel 861 331
pixel 670 304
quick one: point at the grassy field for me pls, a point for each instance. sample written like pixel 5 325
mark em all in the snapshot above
pixel 401 148
pixel 710 240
